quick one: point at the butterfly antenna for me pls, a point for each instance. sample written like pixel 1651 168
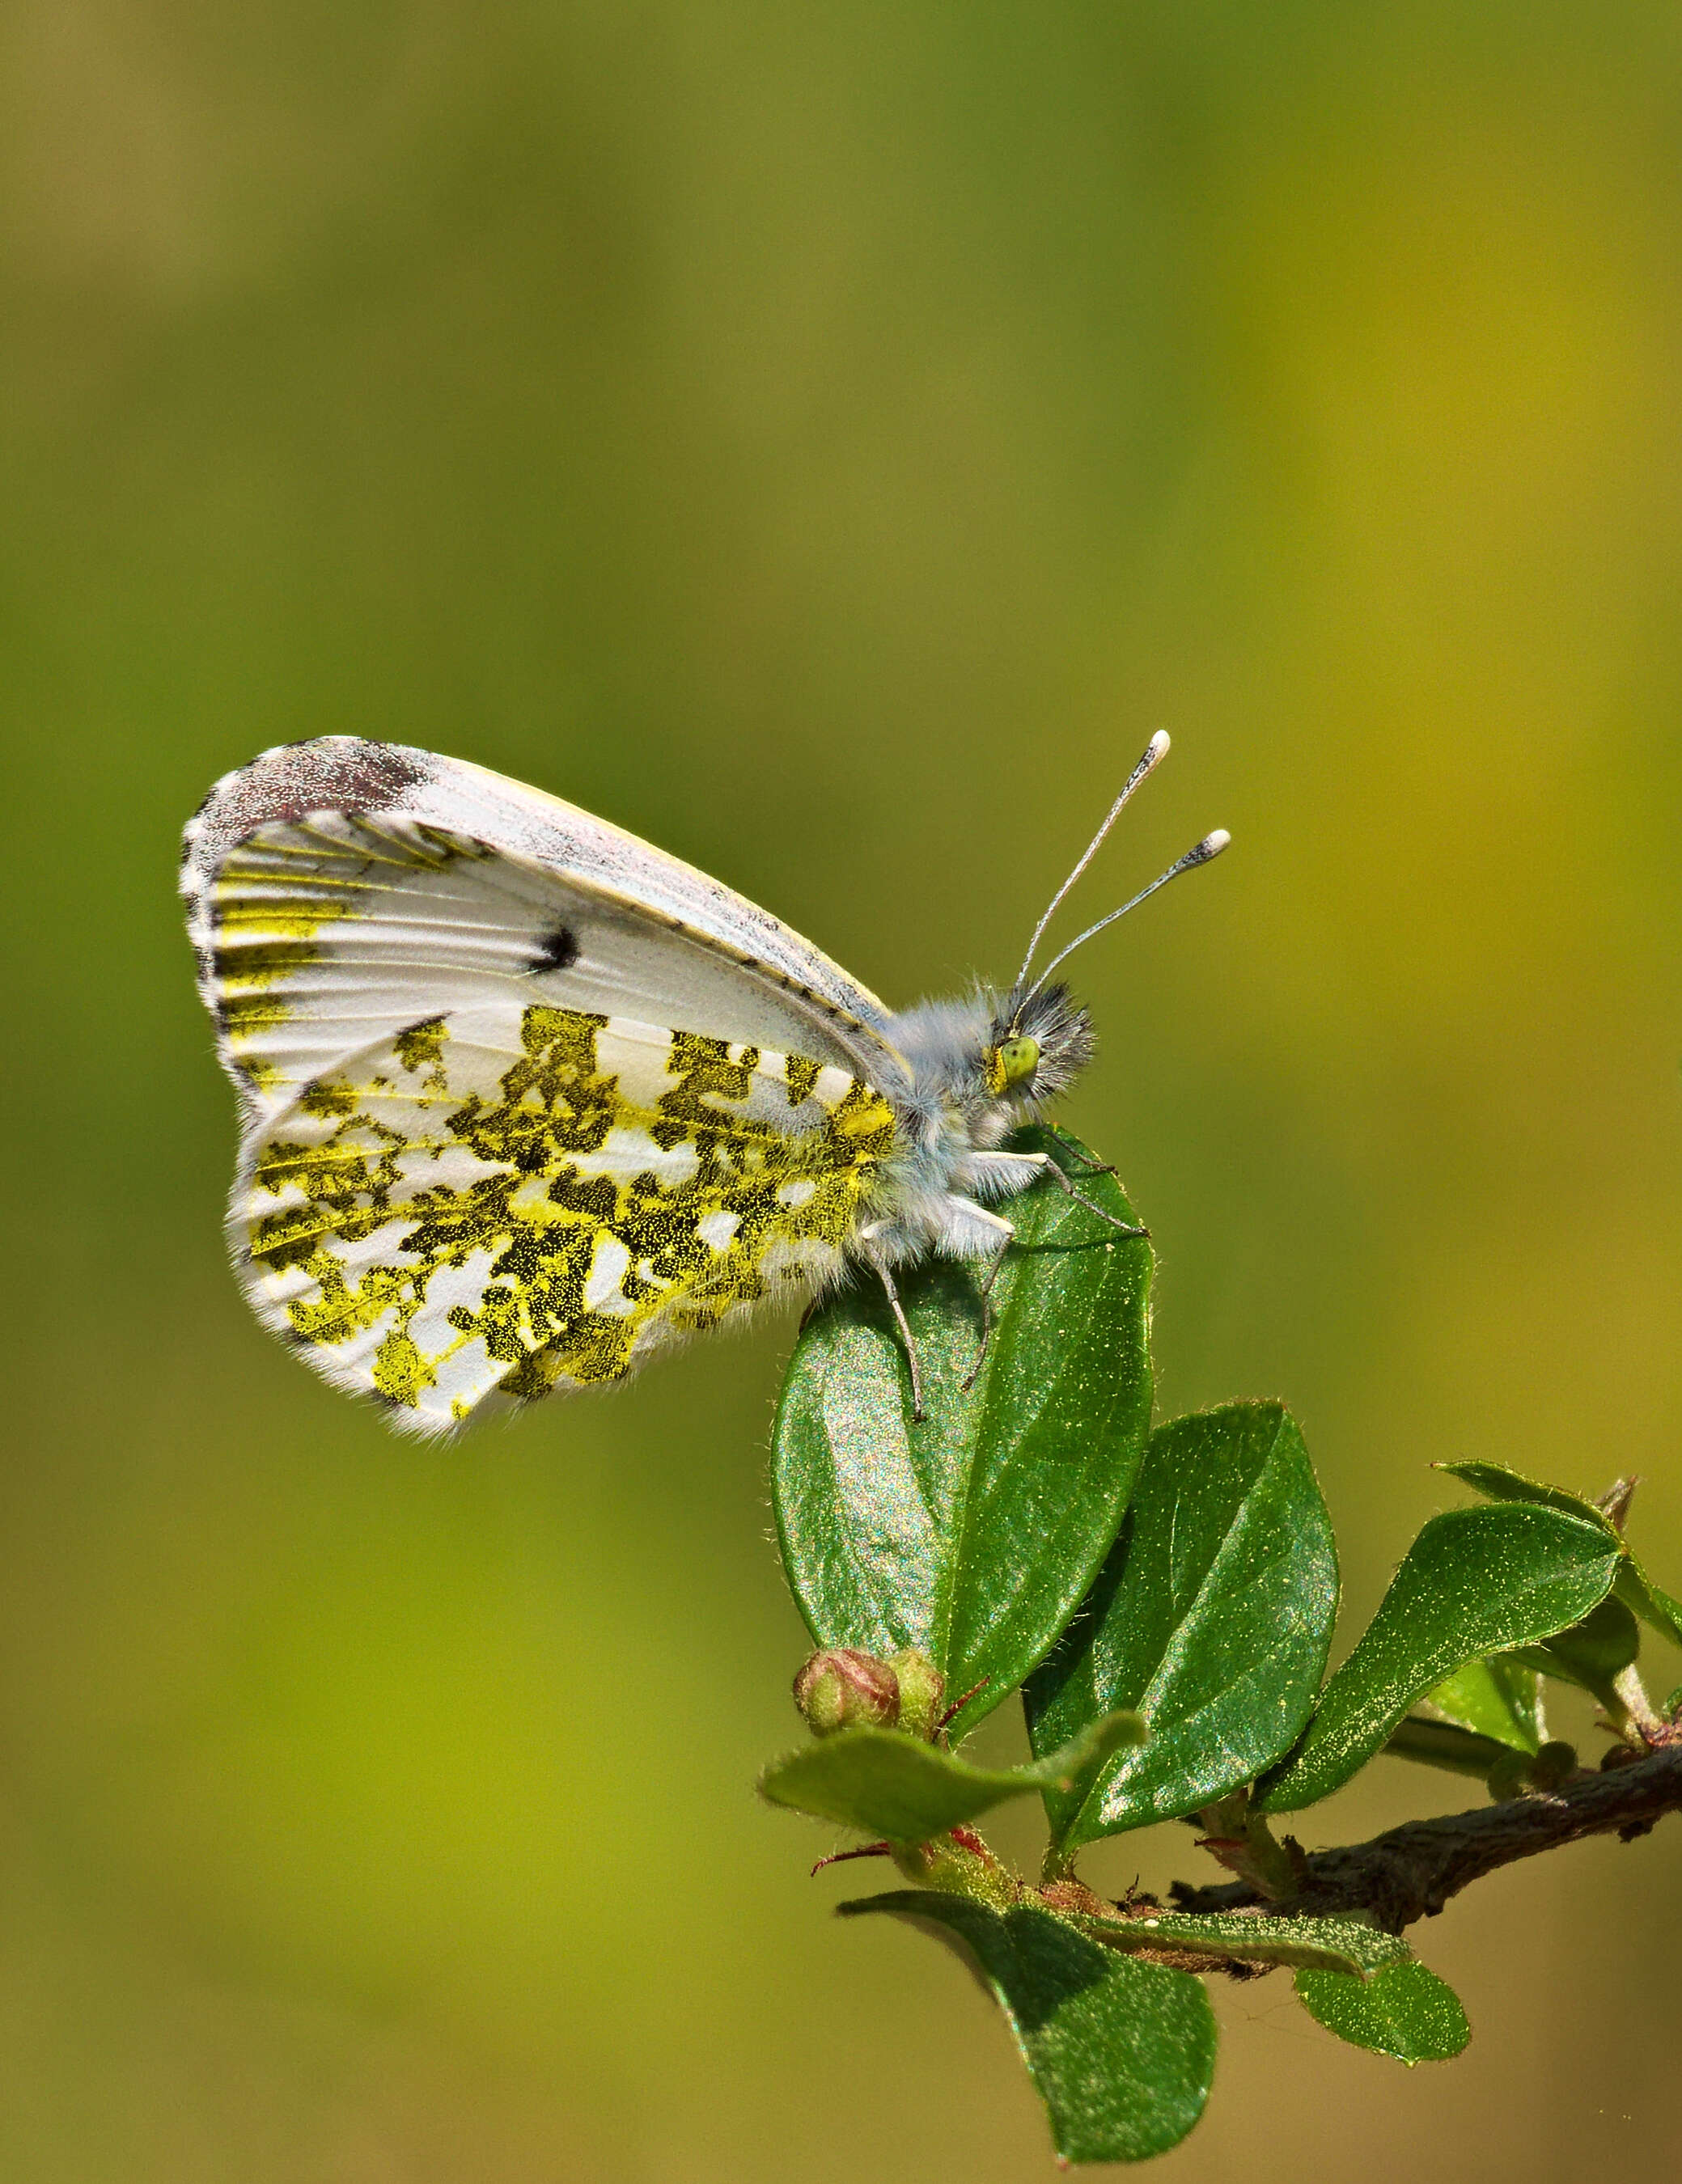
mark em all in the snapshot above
pixel 1199 853
pixel 1155 751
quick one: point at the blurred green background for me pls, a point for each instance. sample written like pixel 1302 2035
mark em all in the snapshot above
pixel 826 442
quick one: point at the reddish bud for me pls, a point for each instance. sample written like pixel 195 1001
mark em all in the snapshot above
pixel 842 1688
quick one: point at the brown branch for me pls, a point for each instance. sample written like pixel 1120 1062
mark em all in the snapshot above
pixel 1410 1872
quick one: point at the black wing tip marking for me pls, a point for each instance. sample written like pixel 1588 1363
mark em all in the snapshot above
pixel 284 784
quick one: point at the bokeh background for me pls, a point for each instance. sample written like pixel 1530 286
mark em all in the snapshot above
pixel 826 442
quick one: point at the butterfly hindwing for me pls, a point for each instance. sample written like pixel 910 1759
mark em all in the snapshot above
pixel 521 1198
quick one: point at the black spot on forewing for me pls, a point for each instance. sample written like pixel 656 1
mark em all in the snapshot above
pixel 556 951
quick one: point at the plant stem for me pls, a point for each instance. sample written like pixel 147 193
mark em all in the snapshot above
pixel 1412 1871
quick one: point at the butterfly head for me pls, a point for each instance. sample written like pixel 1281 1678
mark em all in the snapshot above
pixel 1037 1044
pixel 1039 1040
pixel 993 1058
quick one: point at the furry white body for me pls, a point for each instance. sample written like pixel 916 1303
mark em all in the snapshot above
pixel 937 1188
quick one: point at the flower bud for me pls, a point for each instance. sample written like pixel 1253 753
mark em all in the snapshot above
pixel 1510 1777
pixel 922 1690
pixel 1614 1503
pixel 1553 1766
pixel 842 1688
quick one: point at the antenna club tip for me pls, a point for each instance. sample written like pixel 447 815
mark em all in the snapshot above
pixel 1157 748
pixel 1200 853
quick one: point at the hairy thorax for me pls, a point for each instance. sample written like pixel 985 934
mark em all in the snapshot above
pixel 929 1193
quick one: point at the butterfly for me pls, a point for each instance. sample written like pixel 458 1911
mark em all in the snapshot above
pixel 524 1100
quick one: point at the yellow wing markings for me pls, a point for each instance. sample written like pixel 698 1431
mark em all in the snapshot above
pixel 268 926
pixel 367 846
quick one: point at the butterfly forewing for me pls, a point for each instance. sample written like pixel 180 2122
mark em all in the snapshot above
pixel 524 1198
pixel 321 925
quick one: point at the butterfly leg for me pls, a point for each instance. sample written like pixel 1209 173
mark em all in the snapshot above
pixel 969 1379
pixel 905 1328
pixel 1080 1198
pixel 1048 1166
pixel 877 1260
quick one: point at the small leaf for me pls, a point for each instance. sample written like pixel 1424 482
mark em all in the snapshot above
pixel 1404 2011
pixel 972 1534
pixel 1213 1616
pixel 1634 1588
pixel 1475 1582
pixel 1447 1745
pixel 1120 2053
pixel 892 1784
pixel 1338 1945
pixel 1592 1654
pixel 1495 1699
pixel 1650 1601
pixel 1497 1483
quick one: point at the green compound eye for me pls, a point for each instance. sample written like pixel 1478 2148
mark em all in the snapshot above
pixel 1013 1061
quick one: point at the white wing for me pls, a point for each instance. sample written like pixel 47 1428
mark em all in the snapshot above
pixel 340 890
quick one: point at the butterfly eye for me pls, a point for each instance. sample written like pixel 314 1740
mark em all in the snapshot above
pixel 1011 1063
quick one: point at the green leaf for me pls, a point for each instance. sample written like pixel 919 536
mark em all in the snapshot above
pixel 1120 2053
pixel 892 1784
pixel 1592 1654
pixel 972 1534
pixel 1475 1582
pixel 1653 1604
pixel 1445 1744
pixel 1656 1606
pixel 1498 1483
pixel 1634 1588
pixel 1495 1699
pixel 1338 1945
pixel 1211 1616
pixel 1405 2011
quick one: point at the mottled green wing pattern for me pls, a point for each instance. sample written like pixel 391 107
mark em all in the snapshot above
pixel 513 1200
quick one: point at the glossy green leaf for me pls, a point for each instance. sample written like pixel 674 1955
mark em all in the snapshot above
pixel 1634 1588
pixel 1407 2012
pixel 1475 1582
pixel 1494 1699
pixel 1120 2053
pixel 1211 1616
pixel 974 1534
pixel 895 1786
pixel 1338 1945
pixel 1592 1654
